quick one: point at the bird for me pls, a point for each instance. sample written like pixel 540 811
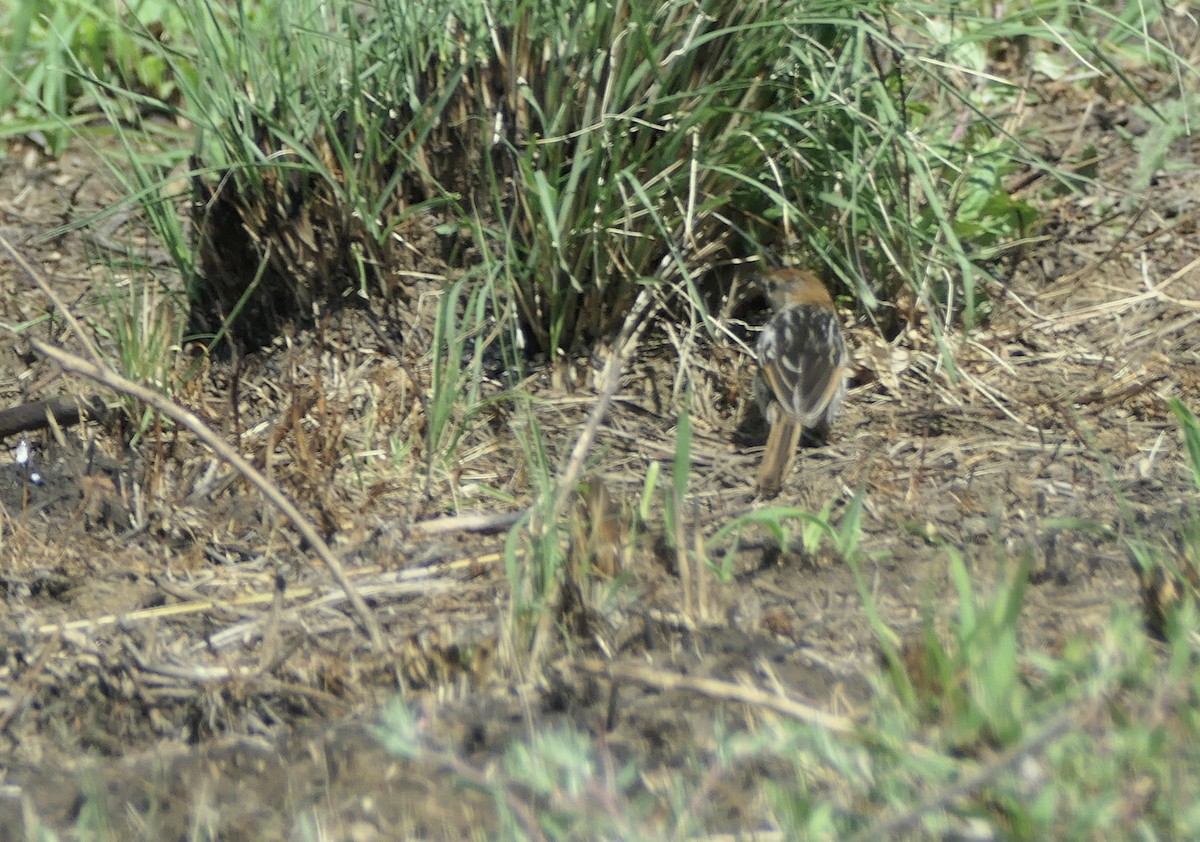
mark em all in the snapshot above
pixel 802 363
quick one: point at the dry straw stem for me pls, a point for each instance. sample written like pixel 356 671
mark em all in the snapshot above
pixel 67 315
pixel 635 324
pixel 661 680
pixel 545 511
pixel 473 522
pixel 420 580
pixel 106 377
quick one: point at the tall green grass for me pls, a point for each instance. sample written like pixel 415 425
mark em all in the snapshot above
pixel 589 149
pixel 604 145
pixel 55 53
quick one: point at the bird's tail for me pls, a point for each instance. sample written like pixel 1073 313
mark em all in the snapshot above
pixel 778 456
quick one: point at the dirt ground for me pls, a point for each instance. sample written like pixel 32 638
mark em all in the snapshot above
pixel 197 669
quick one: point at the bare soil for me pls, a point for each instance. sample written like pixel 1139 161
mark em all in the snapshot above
pixel 171 652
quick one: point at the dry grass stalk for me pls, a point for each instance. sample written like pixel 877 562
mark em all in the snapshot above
pixel 185 418
pixel 658 679
pixel 35 276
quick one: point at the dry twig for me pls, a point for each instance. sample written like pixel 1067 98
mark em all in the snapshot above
pixel 35 276
pixel 37 415
pixel 663 680
pixel 184 417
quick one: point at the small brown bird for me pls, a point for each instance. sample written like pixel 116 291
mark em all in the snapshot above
pixel 802 364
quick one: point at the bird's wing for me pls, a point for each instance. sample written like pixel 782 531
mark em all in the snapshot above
pixel 803 358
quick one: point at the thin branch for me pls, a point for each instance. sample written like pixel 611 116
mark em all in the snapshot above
pixel 185 418
pixel 36 415
pixel 631 331
pixel 36 277
pixel 662 680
